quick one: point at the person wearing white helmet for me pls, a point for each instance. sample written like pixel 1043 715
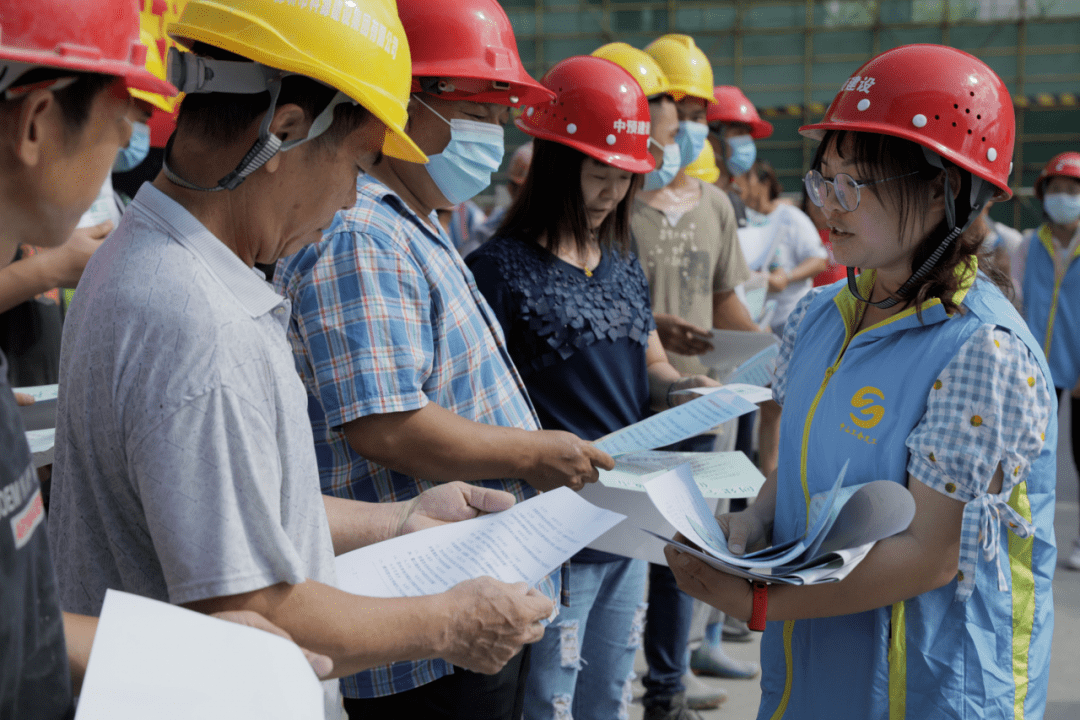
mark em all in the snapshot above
pixel 185 464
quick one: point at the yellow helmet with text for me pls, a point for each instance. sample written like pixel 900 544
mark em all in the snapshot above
pixel 685 65
pixel 359 49
pixel 704 166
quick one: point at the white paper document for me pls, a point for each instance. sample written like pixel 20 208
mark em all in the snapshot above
pixel 42 413
pixel 678 423
pixel 843 524
pixel 717 474
pixel 522 544
pixel 42 443
pixel 754 393
pixel 622 490
pixel 758 370
pixel 155 660
pixel 732 348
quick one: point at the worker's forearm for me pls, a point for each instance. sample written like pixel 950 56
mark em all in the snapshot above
pixel 23 280
pixel 79 633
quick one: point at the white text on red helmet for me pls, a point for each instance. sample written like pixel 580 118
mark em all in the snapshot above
pixel 861 84
pixel 632 127
pixel 350 16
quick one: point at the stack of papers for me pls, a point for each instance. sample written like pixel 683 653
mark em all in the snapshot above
pixel 842 526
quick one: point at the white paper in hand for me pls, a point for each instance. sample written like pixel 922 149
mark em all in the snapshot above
pixel 155 660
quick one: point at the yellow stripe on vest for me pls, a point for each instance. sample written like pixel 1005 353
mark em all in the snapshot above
pixel 789 629
pixel 1023 598
pixel 898 663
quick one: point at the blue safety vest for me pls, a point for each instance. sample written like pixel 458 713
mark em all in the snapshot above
pixel 857 399
pixel 1052 309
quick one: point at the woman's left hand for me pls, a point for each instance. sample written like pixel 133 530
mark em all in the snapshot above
pixel 733 595
pixel 674 397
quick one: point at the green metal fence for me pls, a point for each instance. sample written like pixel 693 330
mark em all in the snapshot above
pixel 790 56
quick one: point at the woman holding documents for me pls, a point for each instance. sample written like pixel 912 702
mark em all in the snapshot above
pixel 919 372
pixel 574 305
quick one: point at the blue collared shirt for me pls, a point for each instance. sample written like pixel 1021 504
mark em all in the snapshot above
pixel 387 318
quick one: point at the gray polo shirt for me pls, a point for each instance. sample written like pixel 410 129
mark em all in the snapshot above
pixel 185 466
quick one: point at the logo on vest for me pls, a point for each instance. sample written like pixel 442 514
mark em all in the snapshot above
pixel 869 413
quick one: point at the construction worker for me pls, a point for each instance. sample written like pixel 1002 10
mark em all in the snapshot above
pixel 408 378
pixel 185 464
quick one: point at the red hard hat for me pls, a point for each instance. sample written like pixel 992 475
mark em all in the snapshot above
pixel 1067 164
pixel 92 36
pixel 470 40
pixel 599 109
pixel 734 107
pixel 939 97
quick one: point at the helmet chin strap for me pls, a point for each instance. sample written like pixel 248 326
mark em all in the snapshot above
pixel 981 192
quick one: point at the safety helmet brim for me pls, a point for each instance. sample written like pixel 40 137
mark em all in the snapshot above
pixel 136 78
pixel 622 161
pixel 373 98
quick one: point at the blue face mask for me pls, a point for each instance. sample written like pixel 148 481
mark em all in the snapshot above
pixel 667 170
pixel 691 138
pixel 463 169
pixel 742 152
pixel 136 151
pixel 1062 208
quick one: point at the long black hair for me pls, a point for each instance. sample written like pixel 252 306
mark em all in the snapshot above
pixel 550 204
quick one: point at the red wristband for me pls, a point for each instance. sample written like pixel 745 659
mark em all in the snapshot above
pixel 761 606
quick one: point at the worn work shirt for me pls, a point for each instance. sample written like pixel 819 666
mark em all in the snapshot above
pixel 689 258
pixel 387 318
pixel 185 467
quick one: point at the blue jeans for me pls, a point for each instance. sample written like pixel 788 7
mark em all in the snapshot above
pixel 667 624
pixel 584 665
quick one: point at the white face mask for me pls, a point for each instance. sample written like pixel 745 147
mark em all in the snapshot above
pixel 1062 208
pixel 463 169
pixel 666 171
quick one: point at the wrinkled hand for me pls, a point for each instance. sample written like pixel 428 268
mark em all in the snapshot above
pixel 22 399
pixel 778 280
pixel 490 622
pixel 447 503
pixel 675 397
pixel 733 595
pixel 321 664
pixel 679 336
pixel 67 261
pixel 561 458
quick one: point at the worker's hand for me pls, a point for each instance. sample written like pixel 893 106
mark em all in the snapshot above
pixel 447 503
pixel 679 336
pixel 66 262
pixel 560 458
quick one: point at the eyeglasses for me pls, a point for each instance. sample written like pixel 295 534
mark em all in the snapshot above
pixel 845 187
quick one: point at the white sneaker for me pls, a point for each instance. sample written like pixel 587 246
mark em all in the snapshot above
pixel 1073 561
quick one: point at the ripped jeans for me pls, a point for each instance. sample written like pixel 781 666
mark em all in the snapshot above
pixel 583 667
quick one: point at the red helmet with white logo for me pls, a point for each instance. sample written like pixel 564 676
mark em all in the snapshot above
pixel 599 109
pixel 942 98
pixel 732 106
pixel 471 42
pixel 79 35
pixel 1067 164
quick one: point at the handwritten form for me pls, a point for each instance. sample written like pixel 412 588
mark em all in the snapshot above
pixel 522 544
pixel 155 660
pixel 678 423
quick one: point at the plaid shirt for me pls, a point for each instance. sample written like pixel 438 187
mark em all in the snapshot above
pixel 387 318
pixel 990 406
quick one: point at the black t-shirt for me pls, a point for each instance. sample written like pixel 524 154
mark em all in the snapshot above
pixel 579 342
pixel 35 683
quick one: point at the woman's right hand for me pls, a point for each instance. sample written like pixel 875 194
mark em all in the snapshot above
pixel 744 531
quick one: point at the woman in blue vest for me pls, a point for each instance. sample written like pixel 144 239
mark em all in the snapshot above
pixel 1052 287
pixel 917 371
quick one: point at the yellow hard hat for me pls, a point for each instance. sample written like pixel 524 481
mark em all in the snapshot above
pixel 685 65
pixel 157 68
pixel 704 166
pixel 359 49
pixel 639 64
